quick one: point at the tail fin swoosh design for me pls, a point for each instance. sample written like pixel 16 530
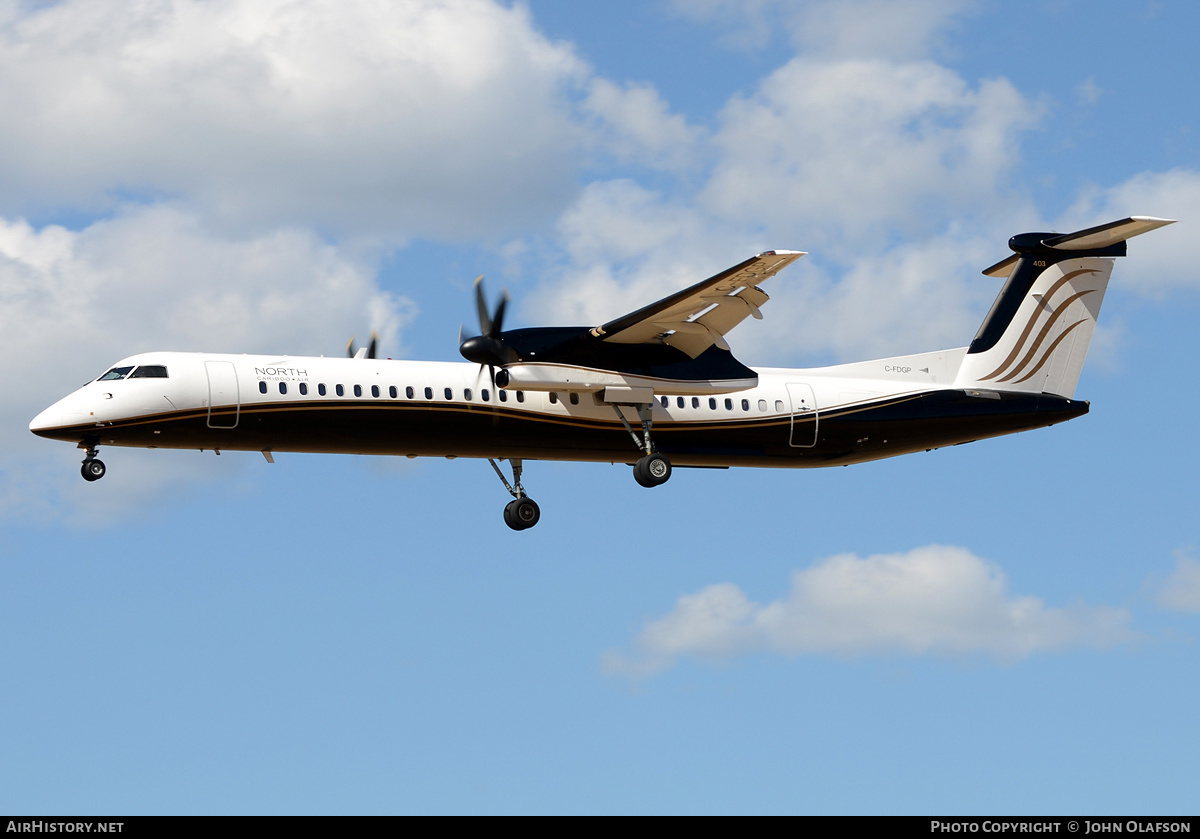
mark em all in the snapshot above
pixel 1033 321
pixel 1043 346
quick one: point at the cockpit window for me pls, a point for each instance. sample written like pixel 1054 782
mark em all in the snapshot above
pixel 115 373
pixel 150 371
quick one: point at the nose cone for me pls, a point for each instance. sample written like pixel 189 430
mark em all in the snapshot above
pixel 55 421
pixel 46 420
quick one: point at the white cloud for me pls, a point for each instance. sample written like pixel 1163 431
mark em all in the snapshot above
pixel 842 28
pixel 878 28
pixel 415 117
pixel 156 279
pixel 932 600
pixel 1089 92
pixel 745 24
pixel 1181 590
pixel 848 153
pixel 636 125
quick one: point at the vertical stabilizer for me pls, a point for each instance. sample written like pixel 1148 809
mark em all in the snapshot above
pixel 1036 336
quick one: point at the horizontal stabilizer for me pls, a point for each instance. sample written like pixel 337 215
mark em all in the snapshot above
pixel 1104 235
pixel 1091 238
pixel 1002 268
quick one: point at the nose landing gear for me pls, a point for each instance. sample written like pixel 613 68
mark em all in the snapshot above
pixel 93 468
pixel 522 512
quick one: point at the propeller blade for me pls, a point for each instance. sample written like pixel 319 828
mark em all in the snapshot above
pixel 498 320
pixel 350 347
pixel 487 348
pixel 373 345
pixel 485 322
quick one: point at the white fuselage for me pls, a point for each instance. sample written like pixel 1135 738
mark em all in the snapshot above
pixel 421 408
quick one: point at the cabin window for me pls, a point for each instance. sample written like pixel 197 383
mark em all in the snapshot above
pixel 428 393
pixel 679 401
pixel 303 389
pixel 553 398
pixel 262 387
pixel 339 390
pixel 283 387
pixel 485 395
pixel 762 405
pixel 115 373
pixel 695 401
pixel 728 404
pixel 520 396
pixel 449 394
pixel 665 401
pixel 149 371
pixel 712 403
pixel 358 390
pixel 779 405
pixel 408 391
pixel 375 391
pixel 503 394
pixel 745 404
pixel 467 394
pixel 574 398
pixel 321 389
pixel 392 392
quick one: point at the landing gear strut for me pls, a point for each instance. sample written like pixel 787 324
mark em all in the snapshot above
pixel 652 469
pixel 93 468
pixel 522 512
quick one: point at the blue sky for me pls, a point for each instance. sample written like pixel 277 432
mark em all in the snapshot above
pixel 1004 627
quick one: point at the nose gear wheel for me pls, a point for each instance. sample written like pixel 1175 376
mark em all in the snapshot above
pixel 93 468
pixel 522 512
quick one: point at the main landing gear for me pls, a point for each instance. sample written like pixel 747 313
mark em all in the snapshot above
pixel 522 512
pixel 651 469
pixel 93 467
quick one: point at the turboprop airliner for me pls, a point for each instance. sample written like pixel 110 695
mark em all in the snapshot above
pixel 656 388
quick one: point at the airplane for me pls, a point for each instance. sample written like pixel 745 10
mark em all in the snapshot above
pixel 657 388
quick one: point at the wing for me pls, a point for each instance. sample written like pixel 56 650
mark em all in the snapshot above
pixel 698 317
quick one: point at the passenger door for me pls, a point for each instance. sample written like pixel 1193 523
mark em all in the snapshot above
pixel 223 394
pixel 804 415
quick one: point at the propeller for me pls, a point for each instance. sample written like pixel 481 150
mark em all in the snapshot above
pixel 353 352
pixel 488 347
